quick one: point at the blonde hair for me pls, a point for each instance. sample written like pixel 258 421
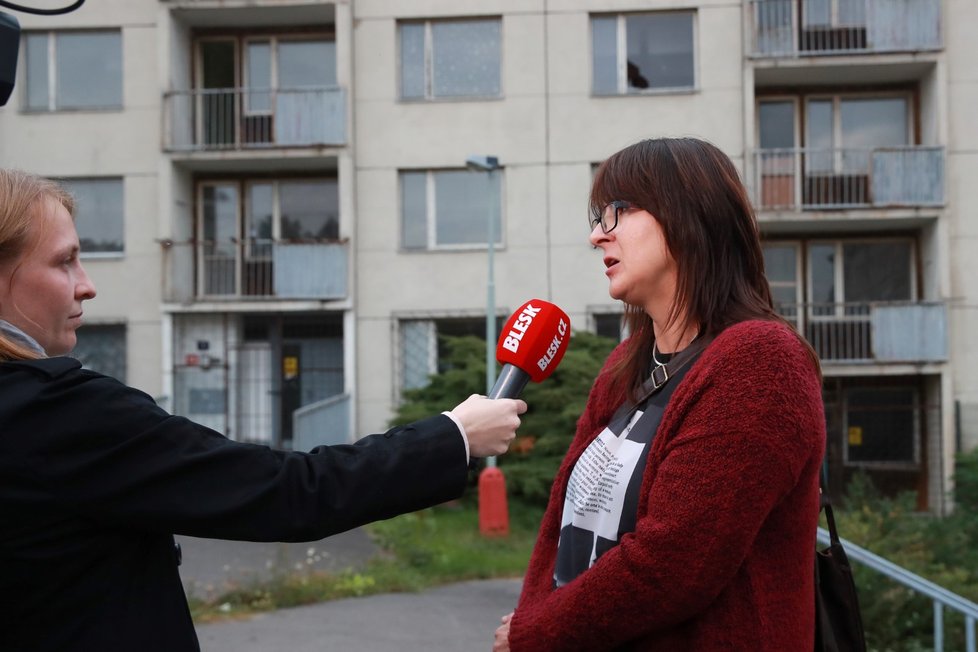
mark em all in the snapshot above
pixel 21 198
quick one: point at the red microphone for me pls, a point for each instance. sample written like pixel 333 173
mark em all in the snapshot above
pixel 530 347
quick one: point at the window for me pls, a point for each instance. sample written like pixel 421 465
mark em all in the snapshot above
pixel 293 210
pixel 99 214
pixel 102 348
pixel 882 426
pixel 450 59
pixel 255 91
pixel 609 325
pixel 288 65
pixel 73 70
pixel 830 295
pixel 449 208
pixel 839 151
pixel 423 350
pixel 781 268
pixel 844 130
pixel 858 272
pixel 242 224
pixel 632 53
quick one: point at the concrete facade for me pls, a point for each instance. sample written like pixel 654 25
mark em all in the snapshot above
pixel 196 348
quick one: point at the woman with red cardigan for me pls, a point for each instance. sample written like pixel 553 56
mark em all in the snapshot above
pixel 684 514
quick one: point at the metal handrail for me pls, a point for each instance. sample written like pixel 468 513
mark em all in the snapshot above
pixel 940 596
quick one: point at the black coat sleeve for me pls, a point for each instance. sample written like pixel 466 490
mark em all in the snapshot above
pixel 107 453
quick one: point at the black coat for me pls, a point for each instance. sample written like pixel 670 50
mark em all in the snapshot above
pixel 95 479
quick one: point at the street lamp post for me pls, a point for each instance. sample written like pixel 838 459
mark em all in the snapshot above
pixel 489 164
pixel 493 509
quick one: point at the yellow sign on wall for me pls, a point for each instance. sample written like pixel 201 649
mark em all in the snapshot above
pixel 290 367
pixel 855 436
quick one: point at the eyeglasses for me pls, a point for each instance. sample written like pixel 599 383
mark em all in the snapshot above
pixel 609 218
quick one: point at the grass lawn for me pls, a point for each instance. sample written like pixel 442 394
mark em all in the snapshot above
pixel 423 549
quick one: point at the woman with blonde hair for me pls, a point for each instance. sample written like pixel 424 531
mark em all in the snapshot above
pixel 95 478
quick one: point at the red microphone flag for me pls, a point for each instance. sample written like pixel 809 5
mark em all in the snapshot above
pixel 534 339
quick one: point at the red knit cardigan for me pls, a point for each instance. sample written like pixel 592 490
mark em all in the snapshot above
pixel 722 556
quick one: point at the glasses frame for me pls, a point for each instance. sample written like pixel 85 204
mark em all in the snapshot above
pixel 620 205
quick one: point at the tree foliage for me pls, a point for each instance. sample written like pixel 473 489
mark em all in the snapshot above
pixel 548 425
pixel 943 550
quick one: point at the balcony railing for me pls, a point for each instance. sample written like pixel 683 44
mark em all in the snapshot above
pixel 325 422
pixel 817 179
pixel 255 270
pixel 248 118
pixel 890 332
pixel 797 28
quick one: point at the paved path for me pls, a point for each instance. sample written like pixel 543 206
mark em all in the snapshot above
pixel 454 618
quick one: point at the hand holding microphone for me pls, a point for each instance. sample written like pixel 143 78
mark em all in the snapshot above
pixel 530 347
pixel 489 425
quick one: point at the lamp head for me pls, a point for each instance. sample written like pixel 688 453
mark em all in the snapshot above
pixel 482 163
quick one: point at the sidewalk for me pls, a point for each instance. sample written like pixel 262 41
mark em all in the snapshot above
pixel 452 618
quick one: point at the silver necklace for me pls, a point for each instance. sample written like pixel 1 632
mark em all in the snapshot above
pixel 654 358
pixel 656 346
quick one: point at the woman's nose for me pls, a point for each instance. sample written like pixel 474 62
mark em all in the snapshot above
pixel 597 235
pixel 85 289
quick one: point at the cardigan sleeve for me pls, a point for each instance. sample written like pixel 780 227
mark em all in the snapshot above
pixel 731 445
pixel 106 452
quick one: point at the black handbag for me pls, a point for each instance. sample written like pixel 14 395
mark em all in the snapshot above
pixel 838 622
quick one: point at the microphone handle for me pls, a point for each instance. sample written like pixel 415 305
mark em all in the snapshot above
pixel 509 383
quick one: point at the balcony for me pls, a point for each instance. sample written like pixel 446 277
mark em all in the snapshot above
pixel 826 179
pixel 241 119
pixel 805 28
pixel 254 270
pixel 870 332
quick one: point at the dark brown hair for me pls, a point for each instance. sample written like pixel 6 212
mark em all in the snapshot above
pixel 693 190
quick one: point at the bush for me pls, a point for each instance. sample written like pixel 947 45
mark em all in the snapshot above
pixel 942 550
pixel 549 423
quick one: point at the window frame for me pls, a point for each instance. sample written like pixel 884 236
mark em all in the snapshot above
pixel 918 414
pixel 431 214
pixel 838 145
pixel 428 61
pixel 109 327
pixel 52 74
pixel 800 280
pixel 243 186
pixel 274 41
pixel 621 53
pixel 432 321
pixel 839 304
pixel 244 245
pixel 102 255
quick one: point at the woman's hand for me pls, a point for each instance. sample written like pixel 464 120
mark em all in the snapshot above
pixel 501 643
pixel 490 424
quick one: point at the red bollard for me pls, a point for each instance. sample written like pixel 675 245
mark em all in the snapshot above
pixel 493 510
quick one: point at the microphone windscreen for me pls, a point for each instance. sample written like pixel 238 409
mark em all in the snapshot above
pixel 9 46
pixel 534 339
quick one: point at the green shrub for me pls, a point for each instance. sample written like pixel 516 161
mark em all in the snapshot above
pixel 548 425
pixel 942 550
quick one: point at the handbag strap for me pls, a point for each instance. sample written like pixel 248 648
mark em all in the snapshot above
pixel 662 373
pixel 826 506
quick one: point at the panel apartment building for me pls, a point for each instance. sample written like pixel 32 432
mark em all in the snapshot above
pixel 276 208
